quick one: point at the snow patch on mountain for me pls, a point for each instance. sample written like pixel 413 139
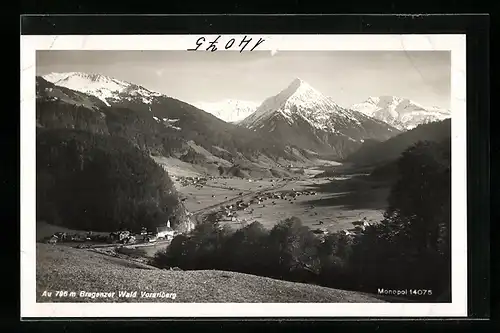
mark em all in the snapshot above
pixel 168 122
pixel 103 87
pixel 229 110
pixel 402 113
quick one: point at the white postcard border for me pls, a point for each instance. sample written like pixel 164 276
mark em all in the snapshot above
pixel 273 43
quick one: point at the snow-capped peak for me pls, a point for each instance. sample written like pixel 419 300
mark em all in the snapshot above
pixel 297 82
pixel 299 90
pixel 229 110
pixel 401 113
pixel 386 100
pixel 373 100
pixel 103 87
pixel 308 119
pixel 299 98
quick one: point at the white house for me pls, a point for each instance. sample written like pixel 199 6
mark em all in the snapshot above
pixel 165 231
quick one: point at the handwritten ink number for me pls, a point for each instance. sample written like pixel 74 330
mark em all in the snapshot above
pixel 258 43
pixel 212 46
pixel 230 43
pixel 199 42
pixel 246 41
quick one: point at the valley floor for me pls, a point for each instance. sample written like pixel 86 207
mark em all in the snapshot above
pixel 338 201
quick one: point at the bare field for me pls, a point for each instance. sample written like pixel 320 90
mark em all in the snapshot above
pixel 218 190
pixel 176 167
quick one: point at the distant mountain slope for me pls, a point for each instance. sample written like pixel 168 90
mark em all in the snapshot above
pixel 62 108
pixel 387 151
pixel 156 123
pixel 302 116
pixel 49 92
pixel 103 87
pixel 229 110
pixel 401 113
pixel 191 123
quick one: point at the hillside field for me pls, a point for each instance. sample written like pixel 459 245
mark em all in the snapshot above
pixel 64 268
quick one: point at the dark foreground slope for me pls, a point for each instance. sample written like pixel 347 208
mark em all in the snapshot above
pixel 64 268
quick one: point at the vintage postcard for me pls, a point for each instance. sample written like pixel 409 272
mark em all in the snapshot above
pixel 243 176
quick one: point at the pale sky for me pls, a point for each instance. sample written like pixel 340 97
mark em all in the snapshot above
pixel 347 76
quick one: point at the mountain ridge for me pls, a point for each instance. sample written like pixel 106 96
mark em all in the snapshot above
pixel 402 113
pixel 104 87
pixel 163 127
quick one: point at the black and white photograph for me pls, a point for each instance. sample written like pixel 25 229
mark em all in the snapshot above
pixel 274 174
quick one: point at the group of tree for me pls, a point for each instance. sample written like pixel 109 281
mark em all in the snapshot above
pixel 88 181
pixel 409 248
pixel 140 129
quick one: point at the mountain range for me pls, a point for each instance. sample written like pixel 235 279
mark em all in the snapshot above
pixel 402 113
pixel 304 117
pixel 158 124
pixel 299 123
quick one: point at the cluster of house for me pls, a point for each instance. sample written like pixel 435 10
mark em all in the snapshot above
pixel 192 181
pixel 284 195
pixel 161 233
pixel 76 237
pixel 229 212
pixel 124 237
pixel 359 227
pixel 121 236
